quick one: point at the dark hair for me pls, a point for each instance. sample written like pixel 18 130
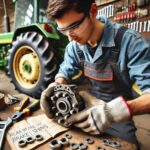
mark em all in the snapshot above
pixel 57 8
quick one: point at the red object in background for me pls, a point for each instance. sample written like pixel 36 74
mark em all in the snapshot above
pixel 48 28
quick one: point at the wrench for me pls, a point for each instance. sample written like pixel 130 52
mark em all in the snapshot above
pixel 3 127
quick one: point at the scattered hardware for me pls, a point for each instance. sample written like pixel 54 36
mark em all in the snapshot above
pixel 38 137
pixel 66 102
pixel 83 146
pixel 11 99
pixel 55 145
pixel 22 143
pixel 90 140
pixel 68 136
pixel 113 144
pixel 64 142
pixel 22 110
pixel 74 146
pixel 30 140
pixel 100 148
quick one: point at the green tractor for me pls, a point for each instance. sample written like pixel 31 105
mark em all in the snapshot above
pixel 32 53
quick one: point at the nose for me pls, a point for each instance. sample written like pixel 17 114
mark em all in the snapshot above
pixel 71 36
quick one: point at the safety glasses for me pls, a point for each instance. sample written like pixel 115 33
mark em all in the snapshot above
pixel 73 27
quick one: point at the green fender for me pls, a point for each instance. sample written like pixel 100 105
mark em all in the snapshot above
pixel 40 29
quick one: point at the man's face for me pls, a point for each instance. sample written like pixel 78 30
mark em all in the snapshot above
pixel 77 26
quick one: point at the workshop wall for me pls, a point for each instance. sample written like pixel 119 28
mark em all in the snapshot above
pixel 134 14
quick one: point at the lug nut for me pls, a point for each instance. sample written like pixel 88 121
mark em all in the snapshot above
pixel 57 114
pixel 53 108
pixel 73 112
pixel 66 117
pixel 65 95
pixel 58 94
pixel 75 105
pixel 61 121
pixel 53 98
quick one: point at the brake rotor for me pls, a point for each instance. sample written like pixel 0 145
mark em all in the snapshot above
pixel 65 102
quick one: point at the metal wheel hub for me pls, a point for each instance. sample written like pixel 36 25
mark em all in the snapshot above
pixel 29 67
pixel 65 102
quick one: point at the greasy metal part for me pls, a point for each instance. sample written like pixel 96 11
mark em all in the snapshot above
pixel 64 142
pixel 83 146
pixel 89 140
pixel 100 148
pixel 55 145
pixel 65 102
pixel 113 144
pixel 22 143
pixel 30 140
pixel 11 99
pixel 39 137
pixel 74 146
pixel 68 136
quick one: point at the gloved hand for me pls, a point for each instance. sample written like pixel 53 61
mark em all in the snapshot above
pixel 98 117
pixel 45 102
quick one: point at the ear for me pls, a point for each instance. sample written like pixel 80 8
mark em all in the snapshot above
pixel 93 10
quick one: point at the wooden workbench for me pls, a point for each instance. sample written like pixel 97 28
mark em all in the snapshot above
pixel 77 136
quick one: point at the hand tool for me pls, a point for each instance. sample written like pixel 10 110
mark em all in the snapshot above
pixel 25 107
pixel 3 127
pixel 22 110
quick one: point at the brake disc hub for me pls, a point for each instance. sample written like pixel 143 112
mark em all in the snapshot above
pixel 66 101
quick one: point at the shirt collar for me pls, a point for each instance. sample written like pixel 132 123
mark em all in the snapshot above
pixel 108 34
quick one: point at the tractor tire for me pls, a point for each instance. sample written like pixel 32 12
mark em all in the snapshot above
pixel 32 64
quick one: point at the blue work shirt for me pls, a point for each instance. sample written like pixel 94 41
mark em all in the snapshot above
pixel 134 57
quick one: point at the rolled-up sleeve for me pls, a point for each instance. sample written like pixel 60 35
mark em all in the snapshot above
pixel 139 62
pixel 70 65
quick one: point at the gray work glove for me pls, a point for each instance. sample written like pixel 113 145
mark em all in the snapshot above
pixel 98 117
pixel 45 102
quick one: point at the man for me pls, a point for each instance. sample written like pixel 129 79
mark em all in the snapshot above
pixel 92 48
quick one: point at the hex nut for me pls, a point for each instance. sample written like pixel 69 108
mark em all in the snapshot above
pixel 99 148
pixel 90 140
pixel 82 146
pixel 22 143
pixel 30 140
pixel 74 146
pixel 39 137
pixel 68 136
pixel 64 141
pixel 55 145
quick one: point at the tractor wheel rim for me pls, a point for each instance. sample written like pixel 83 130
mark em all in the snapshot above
pixel 26 67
